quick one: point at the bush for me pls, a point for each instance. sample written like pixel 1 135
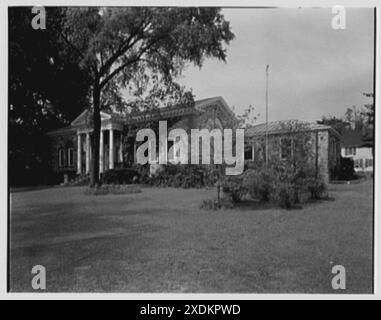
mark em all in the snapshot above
pixel 185 176
pixel 120 176
pixel 345 171
pixel 316 188
pixel 234 187
pixel 259 184
pixel 284 195
pixel 284 185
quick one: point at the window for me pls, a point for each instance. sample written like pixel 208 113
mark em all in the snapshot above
pixel 368 163
pixel 60 157
pixel 285 148
pixel 350 151
pixel 361 164
pixel 249 153
pixel 70 156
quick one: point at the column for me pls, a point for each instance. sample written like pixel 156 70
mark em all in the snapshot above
pixel 101 153
pixel 79 154
pixel 111 149
pixel 121 149
pixel 87 152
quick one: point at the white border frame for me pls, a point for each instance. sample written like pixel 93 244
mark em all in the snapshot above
pixel 173 296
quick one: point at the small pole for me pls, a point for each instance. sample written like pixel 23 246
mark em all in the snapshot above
pixel 267 112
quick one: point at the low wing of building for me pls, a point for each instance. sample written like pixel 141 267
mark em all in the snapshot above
pixel 318 144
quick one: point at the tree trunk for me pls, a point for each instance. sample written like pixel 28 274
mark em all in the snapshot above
pixel 94 172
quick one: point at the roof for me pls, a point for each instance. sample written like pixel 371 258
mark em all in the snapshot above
pixel 61 131
pixel 284 126
pixel 165 112
pixel 204 103
pixel 357 138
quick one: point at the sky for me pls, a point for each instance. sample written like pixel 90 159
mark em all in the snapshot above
pixel 314 70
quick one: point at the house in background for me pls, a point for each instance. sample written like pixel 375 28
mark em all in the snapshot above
pixel 358 145
pixel 320 144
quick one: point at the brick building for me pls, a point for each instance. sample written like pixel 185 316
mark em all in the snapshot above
pixel 72 154
pixel 71 146
pixel 320 144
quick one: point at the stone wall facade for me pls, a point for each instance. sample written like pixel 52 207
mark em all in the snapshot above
pixel 320 149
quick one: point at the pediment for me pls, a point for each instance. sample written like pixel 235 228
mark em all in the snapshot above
pixel 85 118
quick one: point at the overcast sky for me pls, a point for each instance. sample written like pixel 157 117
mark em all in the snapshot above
pixel 314 69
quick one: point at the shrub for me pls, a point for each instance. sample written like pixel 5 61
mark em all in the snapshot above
pixel 234 187
pixel 185 176
pixel 284 185
pixel 283 195
pixel 317 188
pixel 346 170
pixel 120 176
pixel 259 183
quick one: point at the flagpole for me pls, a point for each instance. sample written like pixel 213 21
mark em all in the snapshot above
pixel 267 110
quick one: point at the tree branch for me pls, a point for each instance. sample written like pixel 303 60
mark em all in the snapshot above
pixel 76 50
pixel 127 63
pixel 125 46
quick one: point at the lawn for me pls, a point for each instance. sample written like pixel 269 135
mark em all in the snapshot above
pixel 161 241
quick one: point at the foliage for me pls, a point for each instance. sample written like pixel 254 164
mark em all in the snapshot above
pixel 287 182
pixel 284 195
pixel 293 186
pixel 369 108
pixel 280 185
pixel 40 77
pixel 234 187
pixel 119 47
pixel 185 176
pixel 346 170
pixel 361 117
pixel 80 180
pixel 338 124
pixel 120 176
pixel 316 187
pixel 259 184
pixel 248 117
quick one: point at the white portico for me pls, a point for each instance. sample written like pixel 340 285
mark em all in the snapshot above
pixel 110 142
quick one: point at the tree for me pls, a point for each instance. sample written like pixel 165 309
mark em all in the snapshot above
pixel 369 109
pixel 338 124
pixel 248 117
pixel 40 77
pixel 116 45
pixel 349 114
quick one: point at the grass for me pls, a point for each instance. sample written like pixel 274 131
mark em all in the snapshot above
pixel 112 189
pixel 160 240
